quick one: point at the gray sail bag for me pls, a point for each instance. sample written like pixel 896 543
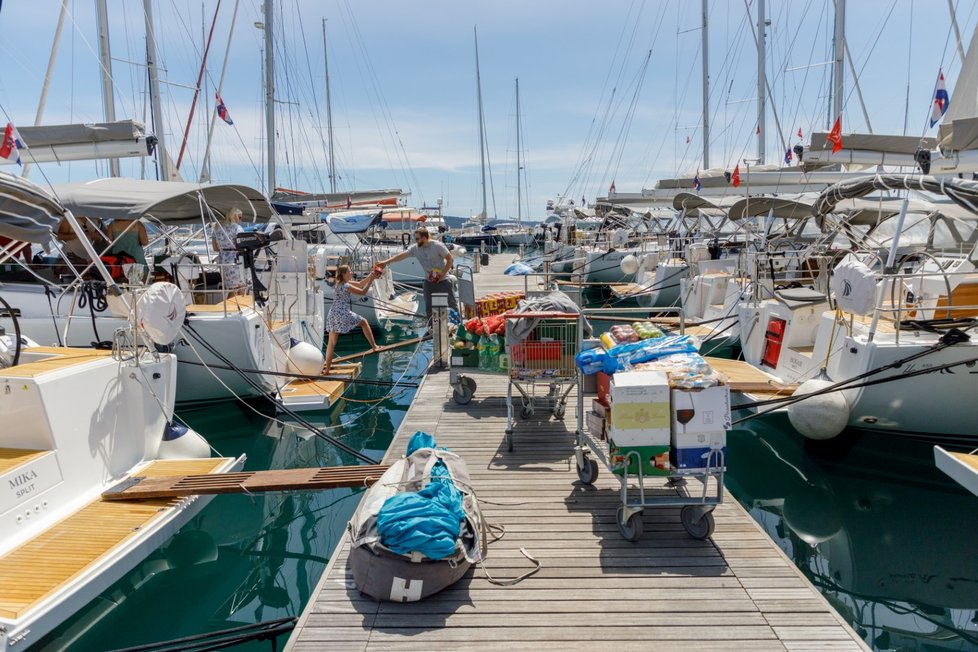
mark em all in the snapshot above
pixel 388 576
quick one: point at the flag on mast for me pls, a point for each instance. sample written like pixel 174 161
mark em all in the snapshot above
pixel 735 178
pixel 800 135
pixel 787 156
pixel 611 190
pixel 11 144
pixel 938 106
pixel 835 136
pixel 696 181
pixel 222 110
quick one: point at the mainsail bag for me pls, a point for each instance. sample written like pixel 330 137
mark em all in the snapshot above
pixel 411 575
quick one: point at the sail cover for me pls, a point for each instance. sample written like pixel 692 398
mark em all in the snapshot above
pixel 27 213
pixel 164 201
pixel 356 223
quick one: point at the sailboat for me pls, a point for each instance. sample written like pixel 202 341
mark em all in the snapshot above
pixel 515 235
pixel 73 423
pixel 475 232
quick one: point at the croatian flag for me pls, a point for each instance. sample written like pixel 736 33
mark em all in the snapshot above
pixel 696 181
pixel 787 156
pixel 11 144
pixel 611 190
pixel 222 110
pixel 799 133
pixel 938 106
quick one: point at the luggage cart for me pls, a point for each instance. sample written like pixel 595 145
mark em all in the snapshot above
pixel 546 358
pixel 637 493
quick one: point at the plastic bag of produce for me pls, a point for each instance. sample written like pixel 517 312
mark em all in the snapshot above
pixel 647 330
pixel 644 350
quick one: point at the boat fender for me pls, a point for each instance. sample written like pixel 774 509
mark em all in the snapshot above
pixel 305 359
pixel 181 442
pixel 821 416
pixel 629 265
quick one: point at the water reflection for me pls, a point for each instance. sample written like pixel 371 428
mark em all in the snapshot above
pixel 887 538
pixel 246 559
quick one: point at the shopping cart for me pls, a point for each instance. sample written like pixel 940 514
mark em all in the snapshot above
pixel 544 358
pixel 697 492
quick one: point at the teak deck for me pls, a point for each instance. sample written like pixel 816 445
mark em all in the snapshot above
pixel 46 562
pixel 595 591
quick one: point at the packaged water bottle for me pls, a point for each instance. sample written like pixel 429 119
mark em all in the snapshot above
pixel 493 353
pixel 483 348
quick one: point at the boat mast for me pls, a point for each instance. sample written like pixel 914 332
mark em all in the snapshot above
pixel 838 41
pixel 270 94
pixel 519 167
pixel 205 168
pixel 154 92
pixel 706 87
pixel 105 63
pixel 761 77
pixel 52 58
pixel 482 136
pixel 329 117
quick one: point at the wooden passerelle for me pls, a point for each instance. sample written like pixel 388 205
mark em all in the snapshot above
pixel 742 377
pixel 379 349
pixel 175 486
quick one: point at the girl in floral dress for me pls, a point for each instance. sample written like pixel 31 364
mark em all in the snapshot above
pixel 341 318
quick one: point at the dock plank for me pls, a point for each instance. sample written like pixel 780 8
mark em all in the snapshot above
pixel 736 591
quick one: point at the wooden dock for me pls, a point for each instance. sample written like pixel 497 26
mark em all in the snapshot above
pixel 736 591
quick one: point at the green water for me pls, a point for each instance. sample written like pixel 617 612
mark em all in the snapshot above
pixel 885 536
pixel 247 559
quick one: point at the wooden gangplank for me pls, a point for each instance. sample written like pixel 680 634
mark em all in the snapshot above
pixel 744 378
pixel 379 349
pixel 249 482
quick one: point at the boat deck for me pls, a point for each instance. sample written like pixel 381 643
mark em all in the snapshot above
pixel 321 393
pixel 12 458
pixel 59 358
pixel 736 591
pixel 48 561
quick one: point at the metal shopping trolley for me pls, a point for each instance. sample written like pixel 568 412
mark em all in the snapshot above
pixel 543 358
pixel 696 491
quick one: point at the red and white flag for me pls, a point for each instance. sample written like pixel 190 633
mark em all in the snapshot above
pixel 800 135
pixel 11 144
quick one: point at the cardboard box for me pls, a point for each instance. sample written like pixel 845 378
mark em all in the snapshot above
pixel 640 387
pixel 706 410
pixel 595 425
pixel 465 358
pixel 691 451
pixel 640 409
pixel 603 381
pixel 600 408
pixel 655 459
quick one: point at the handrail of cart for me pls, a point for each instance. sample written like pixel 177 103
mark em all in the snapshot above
pixel 541 315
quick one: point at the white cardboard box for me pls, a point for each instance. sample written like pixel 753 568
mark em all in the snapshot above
pixel 640 414
pixel 692 452
pixel 710 410
pixel 640 387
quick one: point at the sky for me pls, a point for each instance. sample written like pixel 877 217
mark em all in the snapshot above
pixel 609 91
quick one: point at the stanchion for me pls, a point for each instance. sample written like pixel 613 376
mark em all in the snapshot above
pixel 439 329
